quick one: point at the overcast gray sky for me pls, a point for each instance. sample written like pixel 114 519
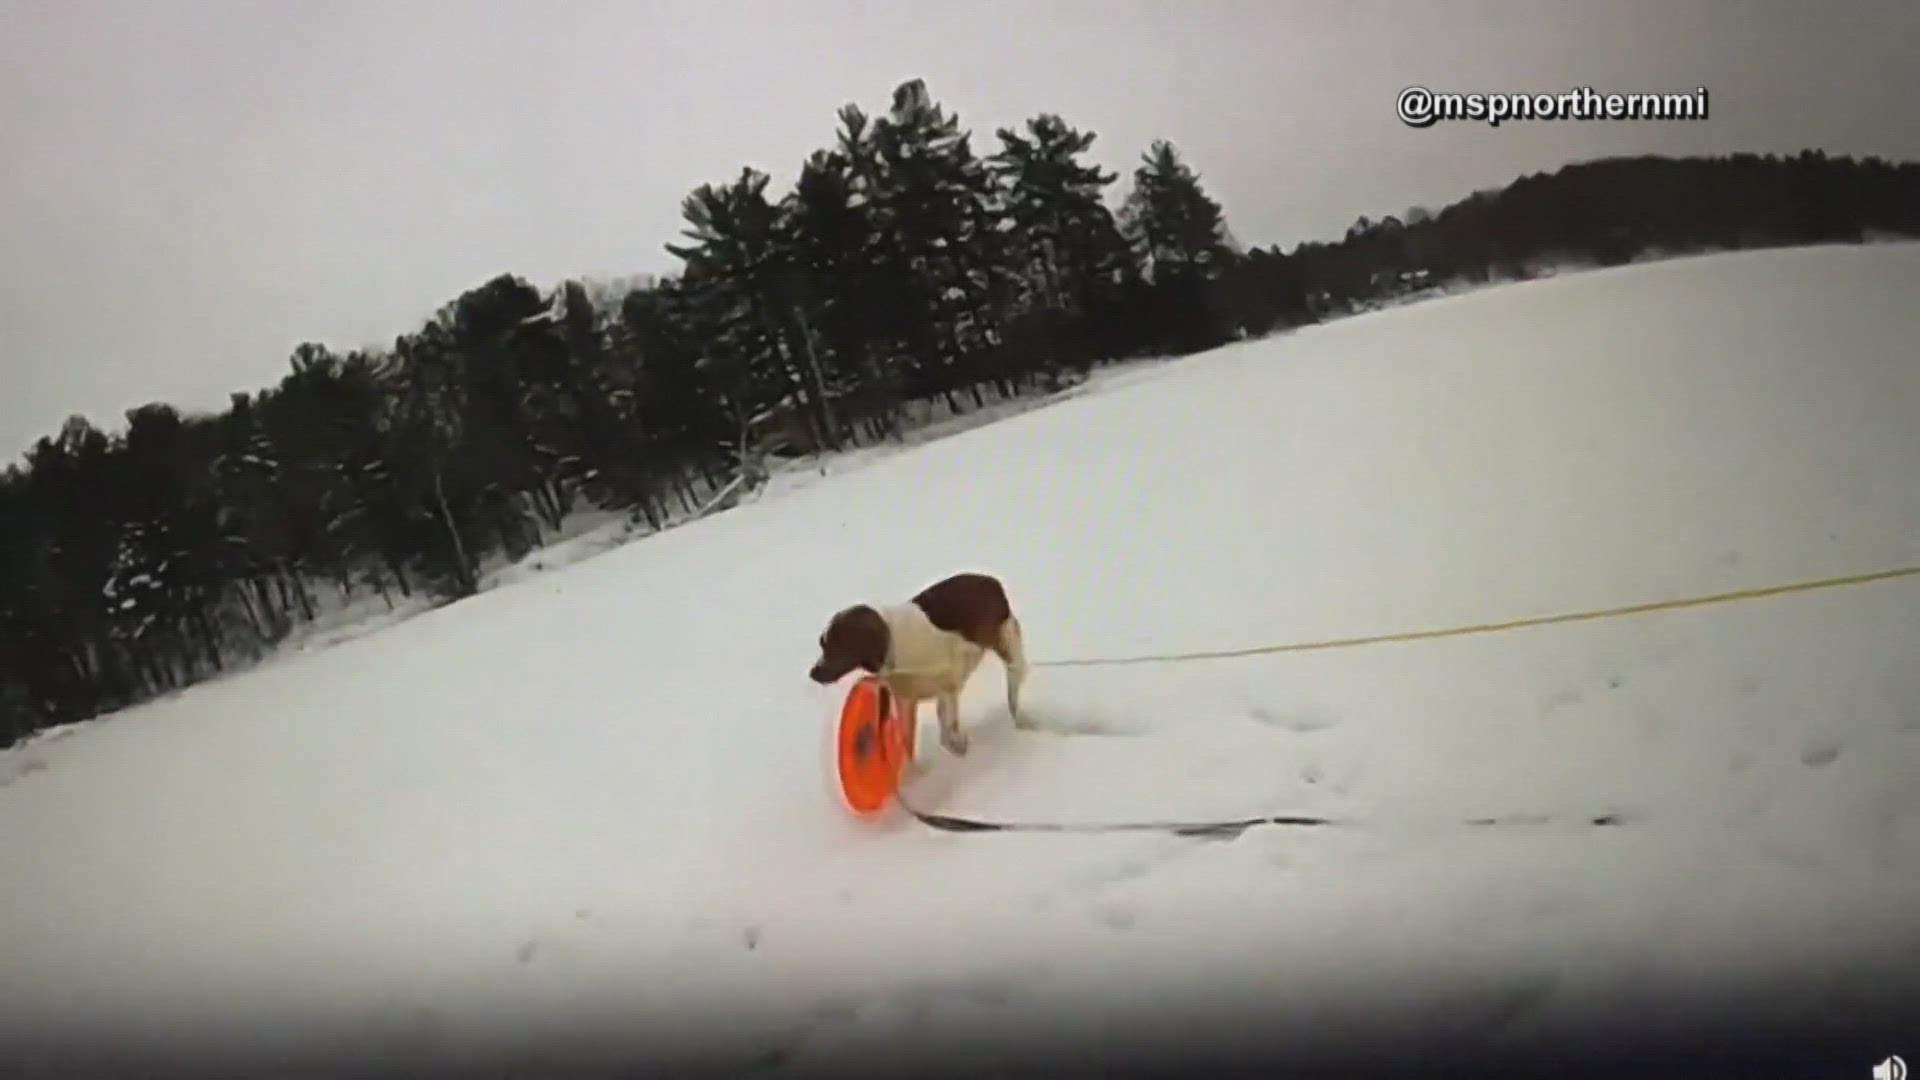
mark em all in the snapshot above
pixel 189 189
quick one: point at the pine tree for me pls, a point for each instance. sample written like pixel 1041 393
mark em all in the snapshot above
pixel 1180 230
pixel 837 283
pixel 1068 239
pixel 932 204
pixel 682 413
pixel 1064 239
pixel 882 309
pixel 486 339
pixel 1181 235
pixel 584 396
pixel 740 268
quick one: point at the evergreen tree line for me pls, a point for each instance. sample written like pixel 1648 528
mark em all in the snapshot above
pixel 1612 211
pixel 904 270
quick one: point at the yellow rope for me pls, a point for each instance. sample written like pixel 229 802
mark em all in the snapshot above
pixel 1488 628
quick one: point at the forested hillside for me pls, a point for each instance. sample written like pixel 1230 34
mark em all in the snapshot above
pixel 905 267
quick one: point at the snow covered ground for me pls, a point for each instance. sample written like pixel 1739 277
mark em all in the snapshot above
pixel 591 808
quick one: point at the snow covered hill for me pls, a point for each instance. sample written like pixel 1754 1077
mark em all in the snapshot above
pixel 590 810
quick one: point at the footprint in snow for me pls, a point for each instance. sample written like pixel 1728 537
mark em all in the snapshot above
pixel 1056 723
pixel 1313 773
pixel 1819 752
pixel 1213 768
pixel 1514 1004
pixel 835 1010
pixel 988 990
pixel 1558 700
pixel 411 1024
pixel 1303 722
pixel 21 771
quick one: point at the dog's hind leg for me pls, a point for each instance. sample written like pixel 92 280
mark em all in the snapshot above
pixel 1012 651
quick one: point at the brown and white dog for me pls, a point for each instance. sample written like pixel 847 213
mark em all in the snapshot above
pixel 929 647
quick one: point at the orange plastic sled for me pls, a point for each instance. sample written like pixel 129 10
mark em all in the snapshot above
pixel 875 745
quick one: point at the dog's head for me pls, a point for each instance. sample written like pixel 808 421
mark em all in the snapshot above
pixel 855 638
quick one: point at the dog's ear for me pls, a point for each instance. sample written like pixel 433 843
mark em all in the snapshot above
pixel 858 637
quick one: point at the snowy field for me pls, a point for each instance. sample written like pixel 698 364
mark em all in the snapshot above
pixel 591 808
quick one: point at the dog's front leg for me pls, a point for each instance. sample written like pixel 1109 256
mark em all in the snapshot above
pixel 910 717
pixel 951 736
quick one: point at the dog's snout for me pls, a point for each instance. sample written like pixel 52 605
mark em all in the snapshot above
pixel 829 669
